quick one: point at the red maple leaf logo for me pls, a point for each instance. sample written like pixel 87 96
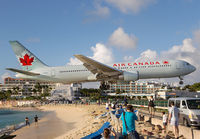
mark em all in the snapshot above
pixel 26 61
pixel 165 62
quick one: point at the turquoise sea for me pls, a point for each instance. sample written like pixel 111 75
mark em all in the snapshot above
pixel 13 117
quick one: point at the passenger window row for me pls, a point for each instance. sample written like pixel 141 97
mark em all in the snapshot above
pixel 151 66
pixel 73 71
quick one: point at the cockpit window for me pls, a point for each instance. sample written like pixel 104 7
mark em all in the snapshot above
pixel 187 64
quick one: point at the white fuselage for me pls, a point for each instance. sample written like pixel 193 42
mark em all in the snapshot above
pixel 145 70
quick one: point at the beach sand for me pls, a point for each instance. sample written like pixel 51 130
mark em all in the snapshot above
pixel 63 121
pixel 74 122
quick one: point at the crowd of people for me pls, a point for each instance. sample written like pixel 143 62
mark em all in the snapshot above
pixel 128 118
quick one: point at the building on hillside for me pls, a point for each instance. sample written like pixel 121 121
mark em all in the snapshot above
pixel 136 87
pixel 24 87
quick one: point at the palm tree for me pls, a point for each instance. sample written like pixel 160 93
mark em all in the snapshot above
pixel 38 87
pixel 35 91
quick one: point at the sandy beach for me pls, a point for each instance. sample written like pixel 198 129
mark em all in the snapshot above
pixel 63 121
pixel 74 122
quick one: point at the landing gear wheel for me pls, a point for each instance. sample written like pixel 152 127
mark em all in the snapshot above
pixel 181 82
pixel 185 122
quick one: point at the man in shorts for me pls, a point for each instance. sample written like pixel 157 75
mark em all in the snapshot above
pixel 173 119
pixel 151 106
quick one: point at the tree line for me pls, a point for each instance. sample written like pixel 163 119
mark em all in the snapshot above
pixel 192 88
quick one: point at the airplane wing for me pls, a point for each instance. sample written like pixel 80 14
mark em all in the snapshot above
pixel 100 69
pixel 23 72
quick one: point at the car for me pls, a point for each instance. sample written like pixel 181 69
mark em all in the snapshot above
pixel 189 110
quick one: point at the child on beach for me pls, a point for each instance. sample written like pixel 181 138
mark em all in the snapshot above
pixel 36 119
pixel 164 121
pixel 27 121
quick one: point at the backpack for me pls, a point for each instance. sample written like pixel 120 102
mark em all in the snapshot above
pixel 151 103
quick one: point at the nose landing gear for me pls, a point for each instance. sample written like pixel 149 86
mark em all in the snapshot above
pixel 181 80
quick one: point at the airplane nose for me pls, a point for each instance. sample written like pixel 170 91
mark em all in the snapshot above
pixel 193 68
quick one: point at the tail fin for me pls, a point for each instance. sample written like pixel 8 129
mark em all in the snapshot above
pixel 27 60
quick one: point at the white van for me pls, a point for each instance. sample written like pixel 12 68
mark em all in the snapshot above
pixel 189 110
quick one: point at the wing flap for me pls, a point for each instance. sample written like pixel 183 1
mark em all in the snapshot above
pixel 23 72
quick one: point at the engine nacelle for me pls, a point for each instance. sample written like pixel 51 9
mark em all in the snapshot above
pixel 129 76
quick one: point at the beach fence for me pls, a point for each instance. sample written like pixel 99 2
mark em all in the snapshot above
pixel 158 103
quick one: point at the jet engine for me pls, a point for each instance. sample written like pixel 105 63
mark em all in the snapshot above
pixel 129 76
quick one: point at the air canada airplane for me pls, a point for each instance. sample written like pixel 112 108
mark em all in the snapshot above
pixel 91 70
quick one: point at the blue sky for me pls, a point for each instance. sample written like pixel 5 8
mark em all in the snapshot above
pixel 56 30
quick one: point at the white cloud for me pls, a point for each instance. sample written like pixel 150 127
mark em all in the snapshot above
pixel 128 58
pixel 185 51
pixel 188 52
pixel 100 53
pixel 148 55
pixel 122 40
pixel 5 75
pixel 130 6
pixel 74 61
pixel 100 10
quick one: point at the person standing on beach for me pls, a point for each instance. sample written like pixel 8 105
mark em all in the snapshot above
pixel 128 123
pixel 173 119
pixel 164 121
pixel 36 119
pixel 151 106
pixel 27 121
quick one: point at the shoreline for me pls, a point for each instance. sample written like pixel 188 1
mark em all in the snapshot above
pixel 21 108
pixel 58 123
pixel 69 121
pixel 9 129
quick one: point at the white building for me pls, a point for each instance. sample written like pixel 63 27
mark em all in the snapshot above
pixel 67 91
pixel 165 94
pixel 135 87
pixel 23 87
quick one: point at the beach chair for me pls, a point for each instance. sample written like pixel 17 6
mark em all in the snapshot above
pixel 97 134
pixel 102 115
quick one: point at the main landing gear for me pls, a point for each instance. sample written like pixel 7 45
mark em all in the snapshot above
pixel 181 80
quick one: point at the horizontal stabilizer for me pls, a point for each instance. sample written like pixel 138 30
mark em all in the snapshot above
pixel 23 72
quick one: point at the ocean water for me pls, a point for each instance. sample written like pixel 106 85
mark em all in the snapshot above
pixel 13 117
